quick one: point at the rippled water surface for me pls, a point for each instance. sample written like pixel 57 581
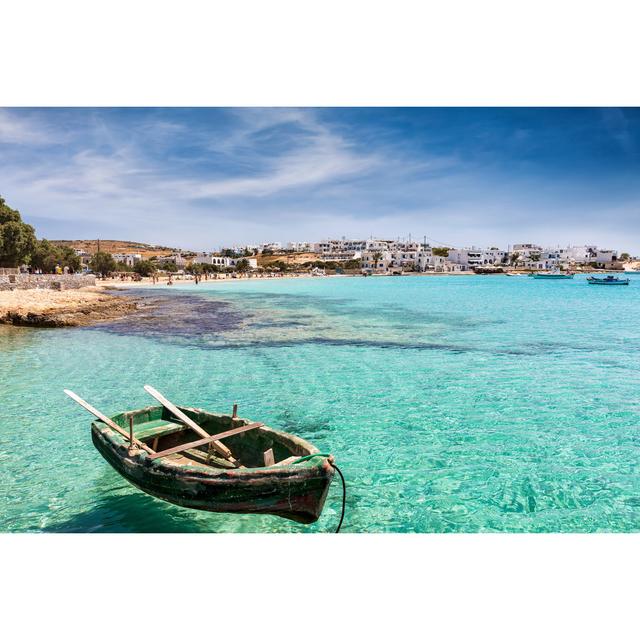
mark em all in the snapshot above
pixel 451 403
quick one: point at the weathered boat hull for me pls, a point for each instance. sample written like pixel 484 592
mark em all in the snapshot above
pixel 294 491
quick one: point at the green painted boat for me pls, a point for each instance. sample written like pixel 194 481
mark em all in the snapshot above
pixel 257 470
pixel 554 275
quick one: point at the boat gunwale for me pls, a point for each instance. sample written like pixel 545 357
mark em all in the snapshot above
pixel 205 472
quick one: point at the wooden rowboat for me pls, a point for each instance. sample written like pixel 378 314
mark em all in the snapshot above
pixel 178 455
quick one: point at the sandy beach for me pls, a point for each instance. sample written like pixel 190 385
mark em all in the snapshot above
pixel 73 307
pixel 163 282
pixel 90 305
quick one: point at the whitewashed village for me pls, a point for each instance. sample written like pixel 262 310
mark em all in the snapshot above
pixel 371 257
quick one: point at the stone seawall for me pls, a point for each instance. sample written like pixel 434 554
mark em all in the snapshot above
pixel 45 281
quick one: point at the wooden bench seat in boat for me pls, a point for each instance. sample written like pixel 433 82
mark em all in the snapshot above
pixel 157 428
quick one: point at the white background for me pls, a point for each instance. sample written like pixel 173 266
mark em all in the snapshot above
pixel 326 53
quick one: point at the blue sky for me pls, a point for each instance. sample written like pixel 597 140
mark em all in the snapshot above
pixel 204 178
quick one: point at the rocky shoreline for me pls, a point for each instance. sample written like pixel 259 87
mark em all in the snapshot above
pixel 73 308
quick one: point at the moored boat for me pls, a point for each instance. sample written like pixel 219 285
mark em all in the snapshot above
pixel 178 455
pixel 552 275
pixel 608 280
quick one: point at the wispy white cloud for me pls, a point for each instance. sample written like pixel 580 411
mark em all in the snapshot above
pixel 26 130
pixel 201 179
pixel 123 170
pixel 326 158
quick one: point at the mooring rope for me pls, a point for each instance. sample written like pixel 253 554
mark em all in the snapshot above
pixel 344 484
pixel 344 495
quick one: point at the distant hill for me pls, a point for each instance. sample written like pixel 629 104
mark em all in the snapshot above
pixel 290 258
pixel 122 246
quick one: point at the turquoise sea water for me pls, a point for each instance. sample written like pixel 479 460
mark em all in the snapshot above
pixel 452 404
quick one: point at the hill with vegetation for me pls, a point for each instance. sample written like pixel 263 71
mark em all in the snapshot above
pixel 122 246
pixel 292 259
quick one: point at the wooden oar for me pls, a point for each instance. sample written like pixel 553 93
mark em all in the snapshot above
pixel 199 443
pixel 167 404
pixel 110 423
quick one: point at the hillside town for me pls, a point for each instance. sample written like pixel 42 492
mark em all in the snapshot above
pixel 38 276
pixel 372 257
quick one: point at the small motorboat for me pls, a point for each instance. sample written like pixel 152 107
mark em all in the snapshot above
pixel 552 275
pixel 178 455
pixel 611 280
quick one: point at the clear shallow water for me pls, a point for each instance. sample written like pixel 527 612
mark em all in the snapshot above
pixel 452 404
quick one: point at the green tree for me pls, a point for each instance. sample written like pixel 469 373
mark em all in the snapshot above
pixel 102 263
pixel 70 259
pixel 144 268
pixel 625 257
pixel 47 256
pixel 280 265
pixel 441 251
pixel 17 239
pixel 44 256
pixel 243 265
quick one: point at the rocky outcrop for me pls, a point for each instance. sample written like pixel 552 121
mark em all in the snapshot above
pixel 63 309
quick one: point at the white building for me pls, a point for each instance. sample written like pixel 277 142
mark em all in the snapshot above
pixel 401 245
pixel 130 259
pixel 349 247
pixel 300 246
pixel 176 259
pixel 223 261
pixel 402 256
pixel 341 257
pixel 270 246
pixel 472 257
pixel 531 256
pixel 526 249
pixel 339 247
pixel 253 262
pixel 606 257
pixel 376 261
pixel 84 256
pixel 209 258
